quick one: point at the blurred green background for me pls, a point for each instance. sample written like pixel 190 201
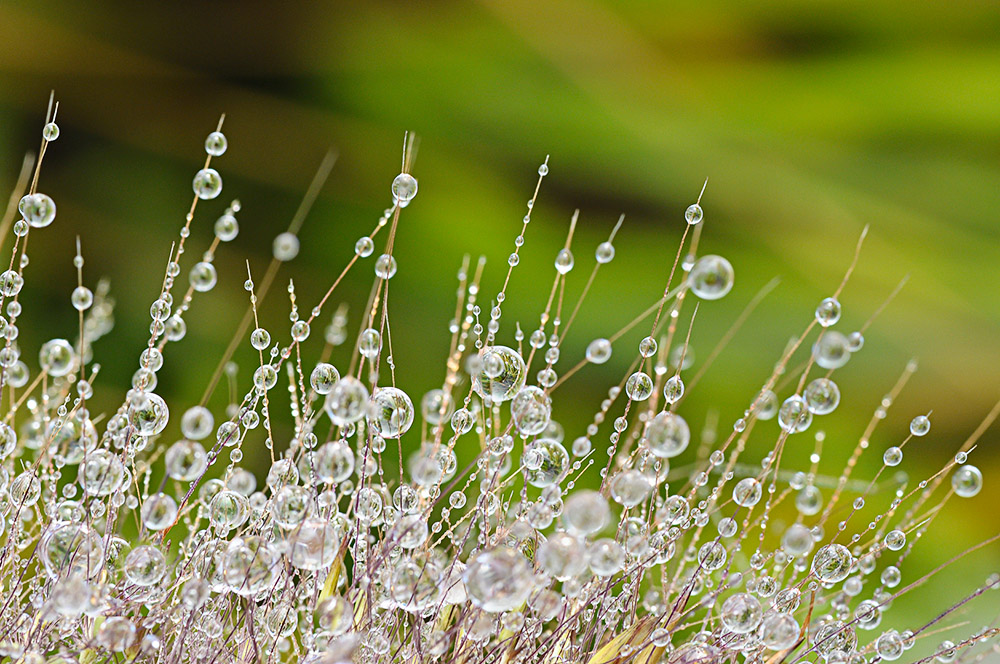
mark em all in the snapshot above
pixel 811 119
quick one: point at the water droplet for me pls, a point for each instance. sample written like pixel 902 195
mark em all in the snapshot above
pixel 920 425
pixel 693 214
pixel 216 144
pixel 207 184
pixel 828 312
pixel 404 188
pixel 711 277
pixel 967 481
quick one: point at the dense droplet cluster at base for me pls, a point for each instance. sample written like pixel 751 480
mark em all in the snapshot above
pixel 464 525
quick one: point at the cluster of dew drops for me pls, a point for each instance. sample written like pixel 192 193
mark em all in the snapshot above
pixel 474 531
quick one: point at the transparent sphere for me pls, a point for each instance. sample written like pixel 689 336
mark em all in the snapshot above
pixel 73 549
pixel 228 509
pixel 967 481
pixel 794 415
pixel 116 634
pixel 437 406
pixel 145 565
pixel 711 277
pixel 892 456
pixel 822 396
pixel 71 596
pixel 148 413
pixel 693 214
pixel 8 440
pixel 175 328
pixel 197 423
pixel 385 266
pixel 203 277
pixel 530 410
pixel 334 462
pixel 894 540
pixel 545 461
pixel 828 312
pixel 667 435
pixel 832 350
pixel 391 412
pixel 747 492
pixel 160 309
pixel 546 604
pixel 11 283
pixel 369 505
pixel 39 210
pixel 833 636
pixel 26 489
pixel 260 339
pixel 323 377
pixel 281 619
pixel 599 351
pixel 291 505
pixel 499 579
pixel 639 386
pixel 207 184
pixel 370 343
pixel 832 563
pixel 216 144
pixel 605 253
pixel 285 247
pixel 788 599
pixel 712 556
pixel 727 526
pixel 779 631
pixel 605 557
pixel 809 500
pixel 17 374
pixel 364 247
pixel 335 614
pixel 73 438
pixel 249 565
pixel 920 425
pixel 891 576
pixel 694 653
pixel 159 511
pixel 741 613
pixel 101 473
pixel 347 402
pixel 56 357
pixel 227 228
pixel 630 487
pixel 462 421
pixel 50 131
pixel 414 587
pixel 186 460
pixel 585 512
pixel 766 405
pixel 564 261
pixel 282 472
pixel 673 389
pixel 502 373
pixel 404 188
pixel 562 556
pixel 797 540
pixel 82 298
pixel 948 652
pixel 889 646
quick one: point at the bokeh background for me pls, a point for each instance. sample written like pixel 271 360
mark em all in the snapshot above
pixel 811 119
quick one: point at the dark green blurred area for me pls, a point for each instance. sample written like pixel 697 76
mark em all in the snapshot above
pixel 810 119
